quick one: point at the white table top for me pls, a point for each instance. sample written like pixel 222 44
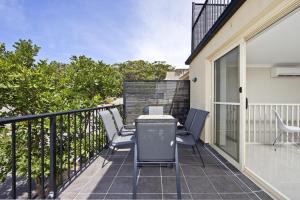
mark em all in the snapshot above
pixel 155 117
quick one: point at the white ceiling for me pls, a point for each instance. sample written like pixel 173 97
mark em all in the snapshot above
pixel 278 45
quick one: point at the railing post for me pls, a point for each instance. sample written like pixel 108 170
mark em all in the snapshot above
pixel 53 192
pixel 13 152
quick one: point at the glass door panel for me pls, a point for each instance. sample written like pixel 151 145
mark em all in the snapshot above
pixel 227 103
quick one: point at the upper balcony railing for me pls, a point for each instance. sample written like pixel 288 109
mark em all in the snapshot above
pixel 204 17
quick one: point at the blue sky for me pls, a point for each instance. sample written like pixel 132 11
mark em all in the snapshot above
pixel 109 30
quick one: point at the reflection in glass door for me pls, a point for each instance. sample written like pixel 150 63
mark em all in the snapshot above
pixel 227 103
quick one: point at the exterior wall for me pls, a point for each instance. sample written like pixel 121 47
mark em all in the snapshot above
pixel 256 15
pixel 252 17
pixel 262 88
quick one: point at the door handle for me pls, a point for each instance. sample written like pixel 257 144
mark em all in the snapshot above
pixel 247 103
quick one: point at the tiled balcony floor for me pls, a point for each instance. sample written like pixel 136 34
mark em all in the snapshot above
pixel 218 180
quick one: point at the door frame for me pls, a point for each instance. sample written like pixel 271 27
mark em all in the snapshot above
pixel 242 104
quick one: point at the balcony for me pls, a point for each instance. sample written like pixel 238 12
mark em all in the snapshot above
pixel 60 155
pixel 207 19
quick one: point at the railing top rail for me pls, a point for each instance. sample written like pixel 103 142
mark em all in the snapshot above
pixel 274 104
pixel 45 115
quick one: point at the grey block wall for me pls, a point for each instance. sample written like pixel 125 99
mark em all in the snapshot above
pixel 174 96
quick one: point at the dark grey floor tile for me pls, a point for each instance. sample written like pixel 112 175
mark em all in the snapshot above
pixel 118 196
pixel 149 196
pixel 121 185
pixel 67 195
pixel 206 196
pixel 169 171
pixel 150 170
pixel 248 182
pixel 91 170
pixel 115 160
pixel 235 196
pixel 192 170
pixel 263 195
pixel 244 187
pixel 253 196
pixel 126 170
pixel 129 160
pixel 185 151
pixel 149 185
pixel 109 170
pixel 90 196
pixel 210 160
pixel 225 184
pixel 98 186
pixel 200 185
pixel 193 159
pixel 169 185
pixel 174 196
pixel 233 168
pixel 215 170
pixel 78 184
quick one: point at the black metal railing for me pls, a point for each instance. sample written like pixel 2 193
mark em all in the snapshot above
pixel 47 151
pixel 204 17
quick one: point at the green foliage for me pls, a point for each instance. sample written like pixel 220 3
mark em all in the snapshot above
pixel 28 87
pixel 143 70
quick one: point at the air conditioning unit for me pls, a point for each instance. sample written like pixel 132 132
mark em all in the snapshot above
pixel 285 71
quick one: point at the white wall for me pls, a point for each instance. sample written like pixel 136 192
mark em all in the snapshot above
pixel 262 88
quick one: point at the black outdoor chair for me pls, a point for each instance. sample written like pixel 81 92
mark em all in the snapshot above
pixel 114 139
pixel 156 144
pixel 122 129
pixel 191 136
pixel 188 122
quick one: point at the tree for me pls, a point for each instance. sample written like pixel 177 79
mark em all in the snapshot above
pixel 143 70
pixel 30 86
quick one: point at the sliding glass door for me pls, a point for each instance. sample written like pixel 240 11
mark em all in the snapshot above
pixel 227 103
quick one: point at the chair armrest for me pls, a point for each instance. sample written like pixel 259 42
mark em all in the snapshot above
pixel 129 126
pixel 183 132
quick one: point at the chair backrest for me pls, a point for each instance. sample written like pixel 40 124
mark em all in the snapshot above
pixel 156 140
pixel 280 123
pixel 156 110
pixel 109 124
pixel 189 119
pixel 198 123
pixel 118 119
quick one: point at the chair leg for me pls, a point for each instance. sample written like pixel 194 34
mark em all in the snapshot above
pixel 200 155
pixel 105 158
pixel 177 174
pixel 135 170
pixel 276 140
pixel 113 150
pixel 194 152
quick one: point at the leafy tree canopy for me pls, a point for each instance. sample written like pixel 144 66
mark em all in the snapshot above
pixel 143 70
pixel 30 86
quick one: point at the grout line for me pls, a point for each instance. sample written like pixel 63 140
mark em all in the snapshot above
pixel 116 174
pixel 161 183
pixel 185 180
pixel 232 172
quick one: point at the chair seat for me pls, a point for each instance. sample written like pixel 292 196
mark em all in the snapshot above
pixel 185 139
pixel 128 130
pixel 293 129
pixel 126 133
pixel 123 140
pixel 181 132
